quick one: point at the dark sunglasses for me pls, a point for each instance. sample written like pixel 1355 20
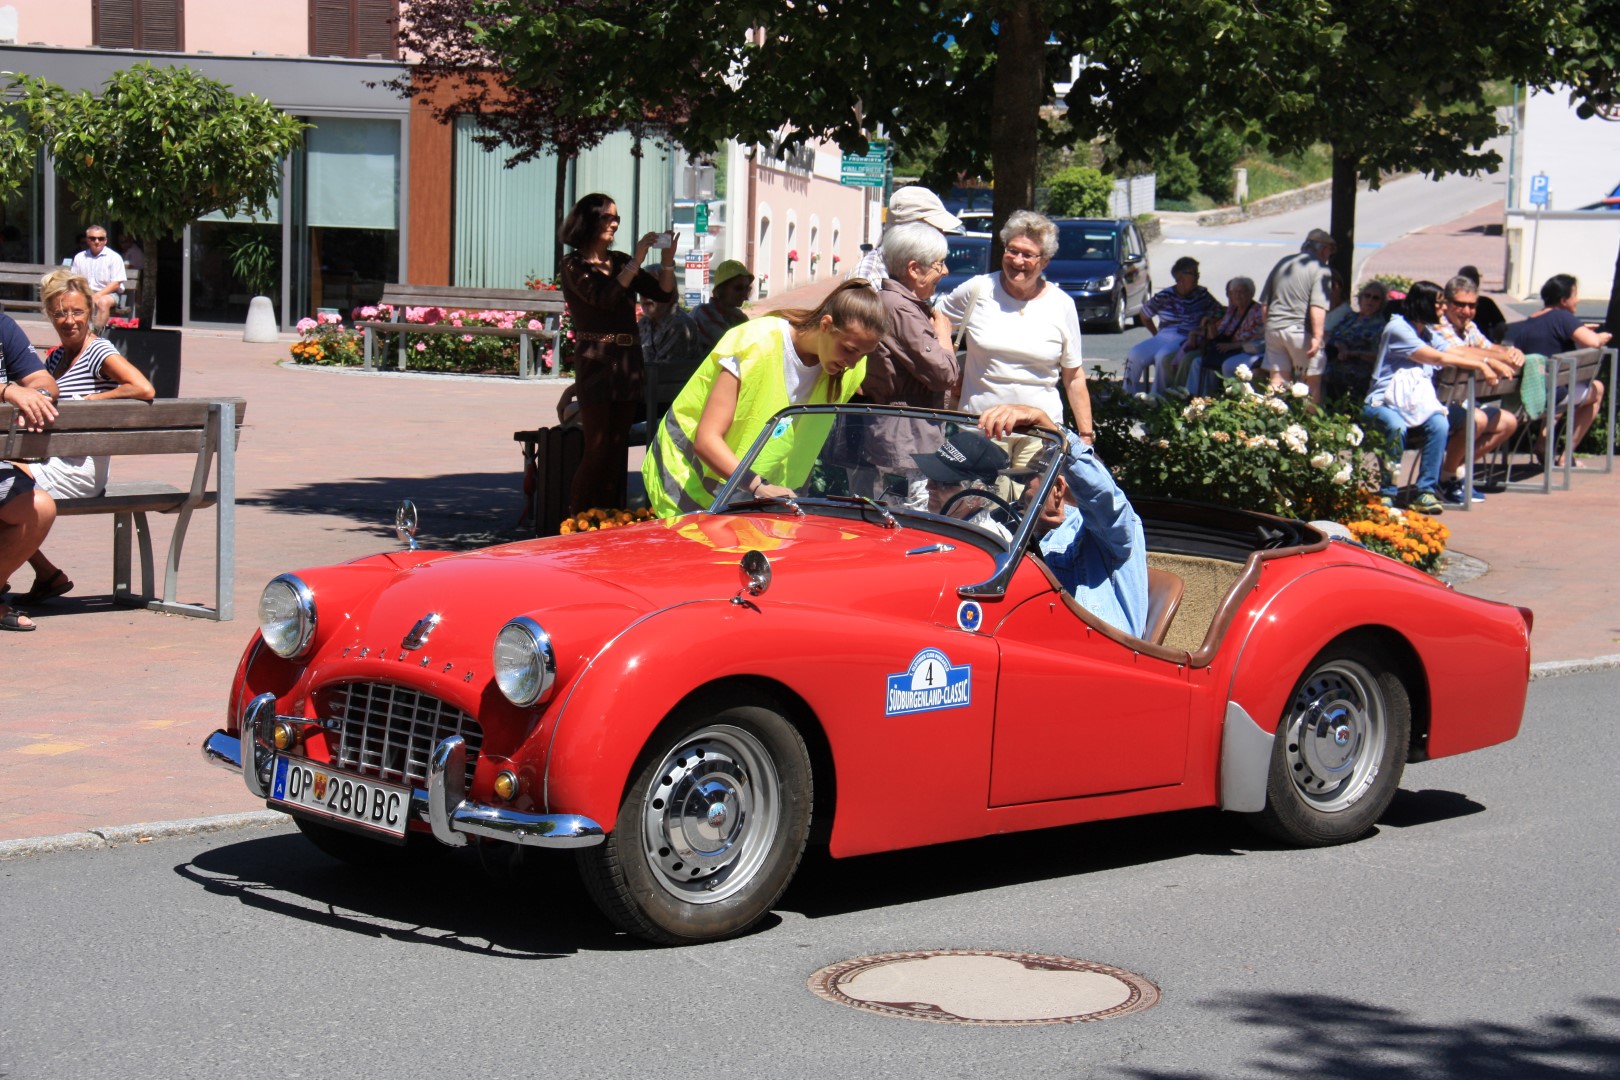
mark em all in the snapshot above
pixel 611 219
pixel 1460 304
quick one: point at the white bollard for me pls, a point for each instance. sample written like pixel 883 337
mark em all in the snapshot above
pixel 261 321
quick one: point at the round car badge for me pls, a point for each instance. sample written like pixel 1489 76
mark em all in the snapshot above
pixel 969 616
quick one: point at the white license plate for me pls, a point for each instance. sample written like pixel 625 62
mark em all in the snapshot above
pixel 319 789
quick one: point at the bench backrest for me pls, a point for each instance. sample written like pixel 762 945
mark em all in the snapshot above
pixel 1452 382
pixel 401 296
pixel 179 426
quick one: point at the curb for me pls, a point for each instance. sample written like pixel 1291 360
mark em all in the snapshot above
pixel 115 835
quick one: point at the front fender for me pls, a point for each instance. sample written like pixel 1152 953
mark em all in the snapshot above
pixel 837 664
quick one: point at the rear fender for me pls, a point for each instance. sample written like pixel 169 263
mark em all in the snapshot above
pixel 1472 656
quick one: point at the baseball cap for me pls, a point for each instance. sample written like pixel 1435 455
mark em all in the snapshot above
pixel 727 270
pixel 916 203
pixel 966 456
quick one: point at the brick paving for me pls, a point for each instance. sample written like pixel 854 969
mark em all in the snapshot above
pixel 104 708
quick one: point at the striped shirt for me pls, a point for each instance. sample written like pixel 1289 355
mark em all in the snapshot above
pixel 86 375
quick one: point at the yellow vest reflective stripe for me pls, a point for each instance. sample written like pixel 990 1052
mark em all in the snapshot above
pixel 678 482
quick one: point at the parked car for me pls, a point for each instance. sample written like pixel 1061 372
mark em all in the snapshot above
pixel 1103 265
pixel 685 703
pixel 966 256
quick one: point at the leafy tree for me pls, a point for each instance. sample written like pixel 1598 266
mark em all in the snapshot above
pixel 19 149
pixel 1079 191
pixel 158 148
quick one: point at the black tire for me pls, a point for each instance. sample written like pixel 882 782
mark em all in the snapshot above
pixel 1340 748
pixel 1146 293
pixel 712 827
pixel 352 848
pixel 1116 319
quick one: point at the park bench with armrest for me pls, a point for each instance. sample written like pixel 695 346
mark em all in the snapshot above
pixel 1569 369
pixel 547 305
pixel 206 429
pixel 24 278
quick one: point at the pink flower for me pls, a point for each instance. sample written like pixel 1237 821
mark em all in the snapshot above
pixel 536 324
pixel 367 312
pixel 305 325
pixel 793 255
pixel 421 346
pixel 467 338
pixel 330 317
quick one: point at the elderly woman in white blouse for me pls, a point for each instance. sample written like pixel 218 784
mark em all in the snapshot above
pixel 1022 335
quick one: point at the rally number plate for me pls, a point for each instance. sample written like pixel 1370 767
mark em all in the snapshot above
pixel 318 789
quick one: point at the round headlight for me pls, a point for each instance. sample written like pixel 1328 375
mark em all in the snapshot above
pixel 287 616
pixel 525 665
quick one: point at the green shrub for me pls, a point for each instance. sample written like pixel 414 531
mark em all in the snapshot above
pixel 1079 191
pixel 1177 177
pixel 1217 153
pixel 1271 451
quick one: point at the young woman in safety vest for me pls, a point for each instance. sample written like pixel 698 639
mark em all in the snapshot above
pixel 793 357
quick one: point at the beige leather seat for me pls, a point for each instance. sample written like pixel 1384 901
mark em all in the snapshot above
pixel 1164 596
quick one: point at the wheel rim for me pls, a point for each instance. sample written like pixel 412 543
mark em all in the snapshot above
pixel 1118 318
pixel 710 814
pixel 1335 736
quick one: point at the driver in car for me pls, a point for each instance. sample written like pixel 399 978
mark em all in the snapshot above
pixel 1090 536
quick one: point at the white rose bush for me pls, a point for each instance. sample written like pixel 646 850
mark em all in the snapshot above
pixel 1266 449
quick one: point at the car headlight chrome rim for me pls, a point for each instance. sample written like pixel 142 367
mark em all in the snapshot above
pixel 287 616
pixel 524 661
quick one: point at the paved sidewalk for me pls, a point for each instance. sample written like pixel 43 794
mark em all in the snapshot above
pixel 104 708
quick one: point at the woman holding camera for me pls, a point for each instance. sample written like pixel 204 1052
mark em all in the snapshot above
pixel 600 286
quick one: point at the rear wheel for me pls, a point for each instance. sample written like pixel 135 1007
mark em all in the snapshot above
pixel 711 829
pixel 1340 750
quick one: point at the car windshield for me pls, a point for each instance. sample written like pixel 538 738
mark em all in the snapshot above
pixel 1077 242
pixel 898 466
pixel 967 254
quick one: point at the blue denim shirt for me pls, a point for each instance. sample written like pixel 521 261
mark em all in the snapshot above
pixel 1099 554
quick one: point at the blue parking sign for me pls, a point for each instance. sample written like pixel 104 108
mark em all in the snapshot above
pixel 1540 190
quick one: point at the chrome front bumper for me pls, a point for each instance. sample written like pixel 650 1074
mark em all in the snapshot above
pixel 444 805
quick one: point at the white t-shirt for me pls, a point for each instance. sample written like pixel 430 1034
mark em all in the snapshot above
pixel 1015 348
pixel 799 376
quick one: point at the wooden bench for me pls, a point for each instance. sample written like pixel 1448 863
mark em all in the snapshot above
pixel 206 429
pixel 23 277
pixel 547 305
pixel 27 275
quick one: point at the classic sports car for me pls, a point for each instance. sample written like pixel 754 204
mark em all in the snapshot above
pixel 879 654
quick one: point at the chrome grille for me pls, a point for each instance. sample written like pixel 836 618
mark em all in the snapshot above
pixel 389 731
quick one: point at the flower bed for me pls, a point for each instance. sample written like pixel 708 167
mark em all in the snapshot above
pixel 325 340
pixel 1416 539
pixel 1272 450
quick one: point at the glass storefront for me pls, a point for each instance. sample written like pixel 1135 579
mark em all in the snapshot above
pixel 345 215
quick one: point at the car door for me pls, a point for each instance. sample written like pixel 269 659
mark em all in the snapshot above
pixel 1079 713
pixel 1134 268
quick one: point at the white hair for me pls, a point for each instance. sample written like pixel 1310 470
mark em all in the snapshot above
pixel 1038 227
pixel 915 241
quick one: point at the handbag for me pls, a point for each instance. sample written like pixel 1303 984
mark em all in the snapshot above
pixel 1411 393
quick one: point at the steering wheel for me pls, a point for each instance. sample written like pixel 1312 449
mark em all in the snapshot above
pixel 982 493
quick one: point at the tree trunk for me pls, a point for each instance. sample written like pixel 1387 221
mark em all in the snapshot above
pixel 559 212
pixel 1611 321
pixel 1020 88
pixel 146 300
pixel 1343 217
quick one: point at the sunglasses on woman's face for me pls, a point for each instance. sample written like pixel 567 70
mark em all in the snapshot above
pixel 611 219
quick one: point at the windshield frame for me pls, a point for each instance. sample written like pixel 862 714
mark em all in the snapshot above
pixel 1005 553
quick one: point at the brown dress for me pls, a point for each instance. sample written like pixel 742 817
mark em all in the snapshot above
pixel 606 371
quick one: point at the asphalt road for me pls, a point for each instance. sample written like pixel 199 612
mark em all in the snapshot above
pixel 1473 936
pixel 1250 248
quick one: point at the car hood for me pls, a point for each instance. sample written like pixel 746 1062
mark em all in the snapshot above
pixel 1062 270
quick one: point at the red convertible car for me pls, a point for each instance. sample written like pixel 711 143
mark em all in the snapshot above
pixel 687 702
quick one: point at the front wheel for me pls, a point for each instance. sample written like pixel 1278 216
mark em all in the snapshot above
pixel 711 828
pixel 1339 751
pixel 1116 316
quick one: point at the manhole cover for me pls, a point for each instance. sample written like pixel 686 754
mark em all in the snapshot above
pixel 972 986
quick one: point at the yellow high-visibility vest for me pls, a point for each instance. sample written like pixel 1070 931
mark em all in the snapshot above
pixel 676 479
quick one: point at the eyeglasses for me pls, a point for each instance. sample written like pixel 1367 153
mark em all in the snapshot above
pixel 1022 256
pixel 96 239
pixel 611 219
pixel 1460 304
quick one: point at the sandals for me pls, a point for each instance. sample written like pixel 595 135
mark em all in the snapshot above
pixel 12 620
pixel 55 585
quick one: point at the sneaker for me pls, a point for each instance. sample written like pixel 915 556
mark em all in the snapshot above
pixel 1451 493
pixel 1386 502
pixel 1426 503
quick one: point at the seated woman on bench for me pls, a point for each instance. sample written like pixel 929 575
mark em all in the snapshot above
pixel 84 366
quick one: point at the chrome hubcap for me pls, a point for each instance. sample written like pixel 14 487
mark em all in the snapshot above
pixel 710 814
pixel 1336 735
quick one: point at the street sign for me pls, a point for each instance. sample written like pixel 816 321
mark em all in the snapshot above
pixel 868 169
pixel 1540 191
pixel 701 223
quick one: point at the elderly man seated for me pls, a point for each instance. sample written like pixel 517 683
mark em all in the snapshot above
pixel 1170 317
pixel 1493 425
pixel 1090 536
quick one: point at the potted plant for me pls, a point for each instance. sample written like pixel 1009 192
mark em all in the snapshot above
pixel 156 149
pixel 253 261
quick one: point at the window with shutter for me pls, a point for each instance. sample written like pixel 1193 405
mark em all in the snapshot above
pixel 356 28
pixel 157 25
